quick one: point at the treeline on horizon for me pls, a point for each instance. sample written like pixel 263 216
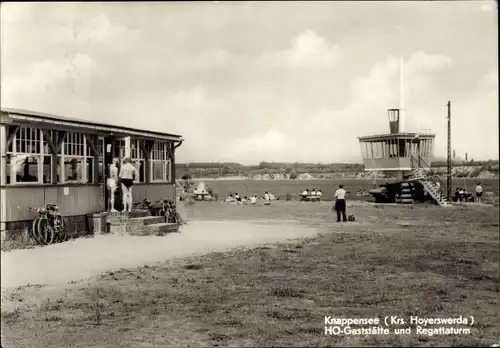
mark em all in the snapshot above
pixel 221 169
pixel 297 165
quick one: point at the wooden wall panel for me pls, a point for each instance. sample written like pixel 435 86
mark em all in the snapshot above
pixel 80 200
pixel 153 192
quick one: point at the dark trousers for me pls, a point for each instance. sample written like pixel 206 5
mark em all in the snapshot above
pixel 340 207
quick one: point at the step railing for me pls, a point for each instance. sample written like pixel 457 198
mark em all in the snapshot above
pixel 420 163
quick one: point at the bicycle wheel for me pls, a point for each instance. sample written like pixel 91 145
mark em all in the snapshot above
pixel 60 233
pixel 173 218
pixel 34 232
pixel 45 231
pixel 62 230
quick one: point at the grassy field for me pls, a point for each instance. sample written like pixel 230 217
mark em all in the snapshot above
pixel 394 260
pixel 281 187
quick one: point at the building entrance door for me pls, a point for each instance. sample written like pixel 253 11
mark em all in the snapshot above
pixel 115 148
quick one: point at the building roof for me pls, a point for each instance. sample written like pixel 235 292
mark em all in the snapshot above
pixel 397 136
pixel 40 117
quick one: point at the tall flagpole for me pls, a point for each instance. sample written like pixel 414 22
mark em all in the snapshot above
pixel 401 97
pixel 448 164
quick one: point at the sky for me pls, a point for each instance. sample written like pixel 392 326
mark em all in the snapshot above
pixel 260 81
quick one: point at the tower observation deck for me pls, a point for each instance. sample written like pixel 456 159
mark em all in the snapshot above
pixel 397 151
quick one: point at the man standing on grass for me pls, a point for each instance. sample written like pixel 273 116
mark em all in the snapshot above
pixel 340 205
pixel 479 192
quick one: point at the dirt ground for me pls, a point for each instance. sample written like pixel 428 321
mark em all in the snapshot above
pixel 394 260
pixel 87 257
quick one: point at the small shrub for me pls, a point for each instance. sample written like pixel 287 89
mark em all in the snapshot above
pixel 194 266
pixel 287 292
pixel 98 309
pixel 475 173
pixel 288 197
pixel 11 316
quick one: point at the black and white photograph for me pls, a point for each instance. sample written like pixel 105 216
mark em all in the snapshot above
pixel 249 174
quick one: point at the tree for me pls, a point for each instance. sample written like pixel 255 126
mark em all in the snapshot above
pixel 186 177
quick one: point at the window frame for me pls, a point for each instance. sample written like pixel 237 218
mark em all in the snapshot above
pixel 159 154
pixel 82 156
pixel 13 153
pixel 138 156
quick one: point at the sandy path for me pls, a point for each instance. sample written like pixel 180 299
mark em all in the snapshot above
pixel 85 258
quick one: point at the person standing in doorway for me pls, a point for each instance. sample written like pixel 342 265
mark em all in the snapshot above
pixel 479 192
pixel 112 182
pixel 340 205
pixel 128 174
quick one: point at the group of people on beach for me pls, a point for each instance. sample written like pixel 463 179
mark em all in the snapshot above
pixel 312 195
pixel 237 199
pixel 462 195
pixel 124 174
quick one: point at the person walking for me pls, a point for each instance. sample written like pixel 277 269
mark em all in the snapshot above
pixel 340 205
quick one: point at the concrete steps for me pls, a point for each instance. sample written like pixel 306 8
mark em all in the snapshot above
pixel 420 175
pixel 128 215
pixel 161 229
pixel 139 223
pixel 432 188
pixel 137 226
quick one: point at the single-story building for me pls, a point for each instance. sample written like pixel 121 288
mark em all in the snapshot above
pixel 52 159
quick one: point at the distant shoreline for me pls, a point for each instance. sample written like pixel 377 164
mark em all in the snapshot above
pixel 334 179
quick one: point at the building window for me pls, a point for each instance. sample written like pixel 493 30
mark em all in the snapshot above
pixel 158 171
pixel 160 162
pixel 25 161
pixel 121 144
pixel 100 147
pixel 363 149
pixel 138 158
pixel 89 164
pixel 73 164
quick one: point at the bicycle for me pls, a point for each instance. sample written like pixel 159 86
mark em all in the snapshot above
pixel 145 204
pixel 168 210
pixel 49 226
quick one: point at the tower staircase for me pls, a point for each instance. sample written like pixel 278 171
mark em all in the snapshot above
pixel 432 186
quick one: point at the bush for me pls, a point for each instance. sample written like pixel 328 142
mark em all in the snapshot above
pixel 186 177
pixel 293 176
pixel 475 173
pixel 288 197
